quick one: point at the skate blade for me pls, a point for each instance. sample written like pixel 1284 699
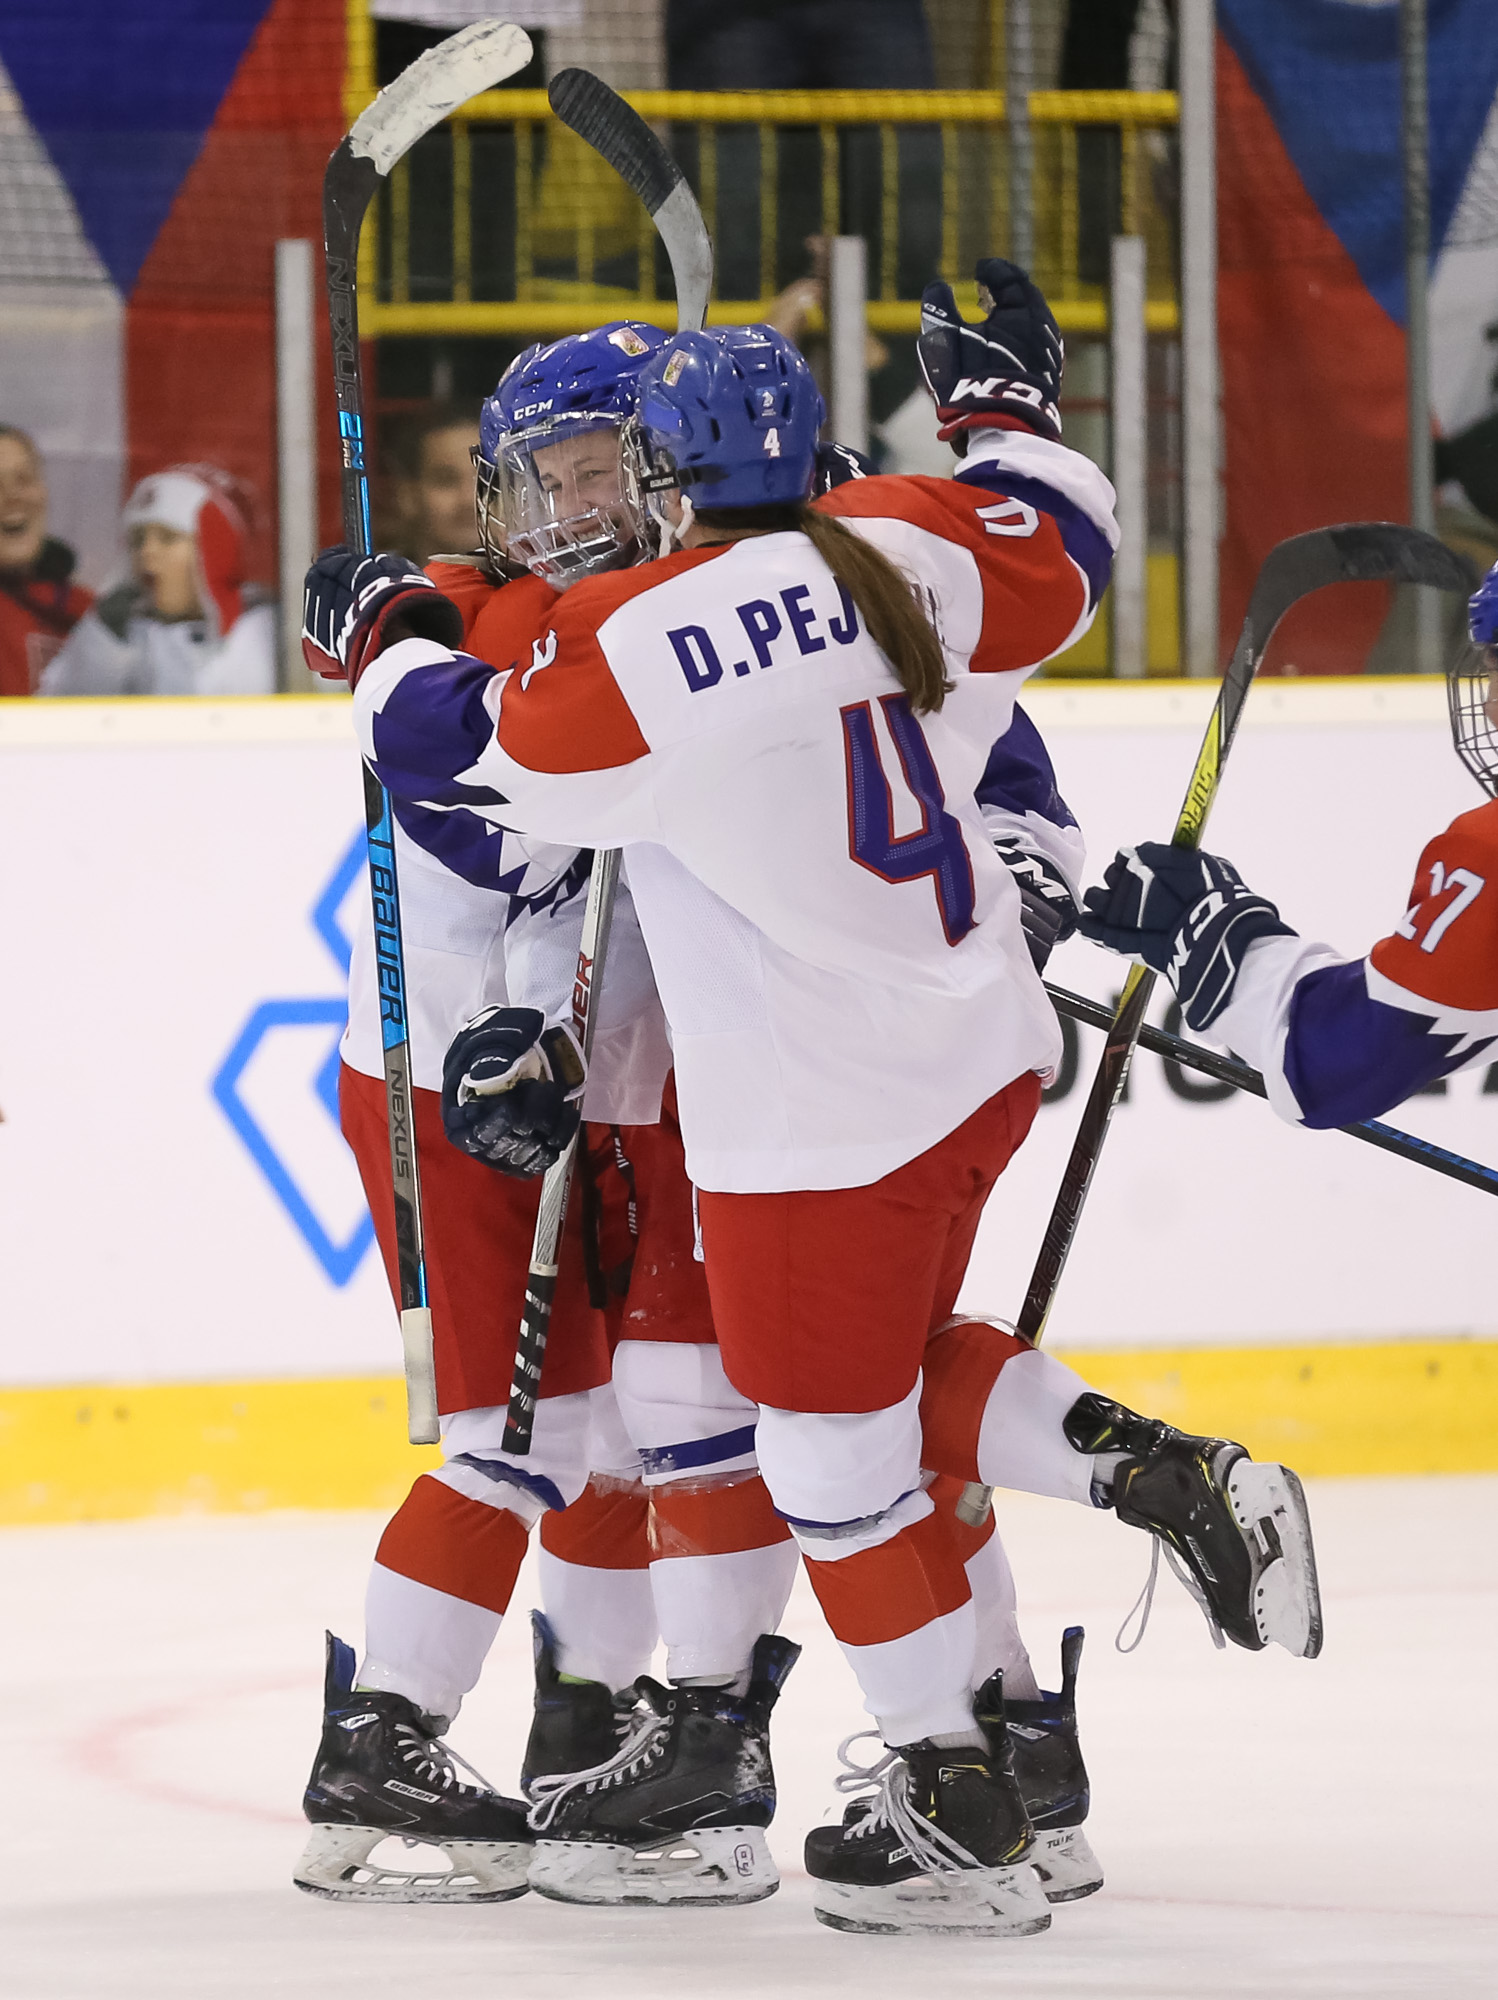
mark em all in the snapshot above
pixel 336 1862
pixel 1269 1504
pixel 1064 1861
pixel 708 1867
pixel 972 1902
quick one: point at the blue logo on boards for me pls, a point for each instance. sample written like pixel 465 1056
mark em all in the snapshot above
pixel 339 1259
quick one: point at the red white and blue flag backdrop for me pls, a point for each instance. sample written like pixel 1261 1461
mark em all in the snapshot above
pixel 137 295
pixel 158 150
pixel 1312 283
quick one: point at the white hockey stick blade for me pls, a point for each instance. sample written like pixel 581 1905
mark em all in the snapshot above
pixel 423 1426
pixel 618 134
pixel 476 59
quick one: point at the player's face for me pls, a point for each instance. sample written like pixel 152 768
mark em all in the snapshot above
pixel 1490 706
pixel 165 562
pixel 580 475
pixel 23 505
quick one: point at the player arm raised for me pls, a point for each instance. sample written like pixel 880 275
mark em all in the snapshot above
pixel 1014 552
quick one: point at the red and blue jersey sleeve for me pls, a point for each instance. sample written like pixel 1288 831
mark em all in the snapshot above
pixel 1364 1036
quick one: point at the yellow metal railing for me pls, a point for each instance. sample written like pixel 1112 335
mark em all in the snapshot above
pixel 503 222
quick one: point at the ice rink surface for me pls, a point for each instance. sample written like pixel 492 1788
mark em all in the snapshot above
pixel 1269 1826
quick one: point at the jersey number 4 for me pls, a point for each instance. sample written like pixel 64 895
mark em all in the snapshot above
pixel 936 850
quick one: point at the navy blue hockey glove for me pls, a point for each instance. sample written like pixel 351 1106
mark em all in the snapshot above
pixel 1187 914
pixel 1048 910
pixel 510 1090
pixel 1009 366
pixel 349 601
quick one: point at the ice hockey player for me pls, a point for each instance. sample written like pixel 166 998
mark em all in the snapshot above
pixel 446 1564
pixel 1338 1039
pixel 445 1569
pixel 802 926
pixel 560 484
pixel 185 620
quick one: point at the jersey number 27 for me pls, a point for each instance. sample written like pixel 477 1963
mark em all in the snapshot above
pixel 936 849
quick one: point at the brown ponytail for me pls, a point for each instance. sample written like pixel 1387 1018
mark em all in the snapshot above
pixel 887 602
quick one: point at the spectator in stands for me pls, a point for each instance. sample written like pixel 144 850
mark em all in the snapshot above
pixel 434 482
pixel 184 621
pixel 39 602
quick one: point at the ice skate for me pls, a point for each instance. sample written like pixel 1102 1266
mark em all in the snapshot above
pixel 383 1773
pixel 577 1724
pixel 1237 1533
pixel 1050 1773
pixel 944 1846
pixel 678 1814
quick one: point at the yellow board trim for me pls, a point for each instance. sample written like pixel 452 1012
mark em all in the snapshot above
pixel 103 1453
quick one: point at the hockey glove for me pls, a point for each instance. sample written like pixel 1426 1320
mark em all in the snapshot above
pixel 510 1090
pixel 1048 910
pixel 1187 914
pixel 1006 370
pixel 837 464
pixel 349 602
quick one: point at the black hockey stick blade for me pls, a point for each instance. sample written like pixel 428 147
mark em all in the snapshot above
pixel 618 134
pixel 1358 552
pixel 1226 1069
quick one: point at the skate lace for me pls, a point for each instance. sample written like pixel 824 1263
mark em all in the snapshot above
pixel 1144 1603
pixel 889 1779
pixel 642 1747
pixel 432 1758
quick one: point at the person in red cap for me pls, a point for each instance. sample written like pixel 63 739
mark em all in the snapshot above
pixel 39 602
pixel 184 621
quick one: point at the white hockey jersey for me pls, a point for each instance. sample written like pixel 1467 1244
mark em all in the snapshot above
pixel 837 946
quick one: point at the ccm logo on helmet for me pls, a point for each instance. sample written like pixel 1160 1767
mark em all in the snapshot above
pixel 533 410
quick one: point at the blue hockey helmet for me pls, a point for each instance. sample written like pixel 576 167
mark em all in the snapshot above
pixel 559 459
pixel 731 418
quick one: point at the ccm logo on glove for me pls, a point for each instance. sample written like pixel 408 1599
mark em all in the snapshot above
pixel 1186 914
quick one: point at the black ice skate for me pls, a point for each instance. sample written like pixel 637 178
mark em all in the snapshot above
pixel 945 1846
pixel 1235 1532
pixel 577 1724
pixel 382 1770
pixel 1051 1775
pixel 678 1813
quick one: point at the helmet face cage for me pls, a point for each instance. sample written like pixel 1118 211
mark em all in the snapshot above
pixel 1472 697
pixel 564 497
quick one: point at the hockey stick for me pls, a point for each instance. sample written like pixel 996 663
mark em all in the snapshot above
pixel 420 97
pixel 1190 1055
pixel 1362 552
pixel 619 135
